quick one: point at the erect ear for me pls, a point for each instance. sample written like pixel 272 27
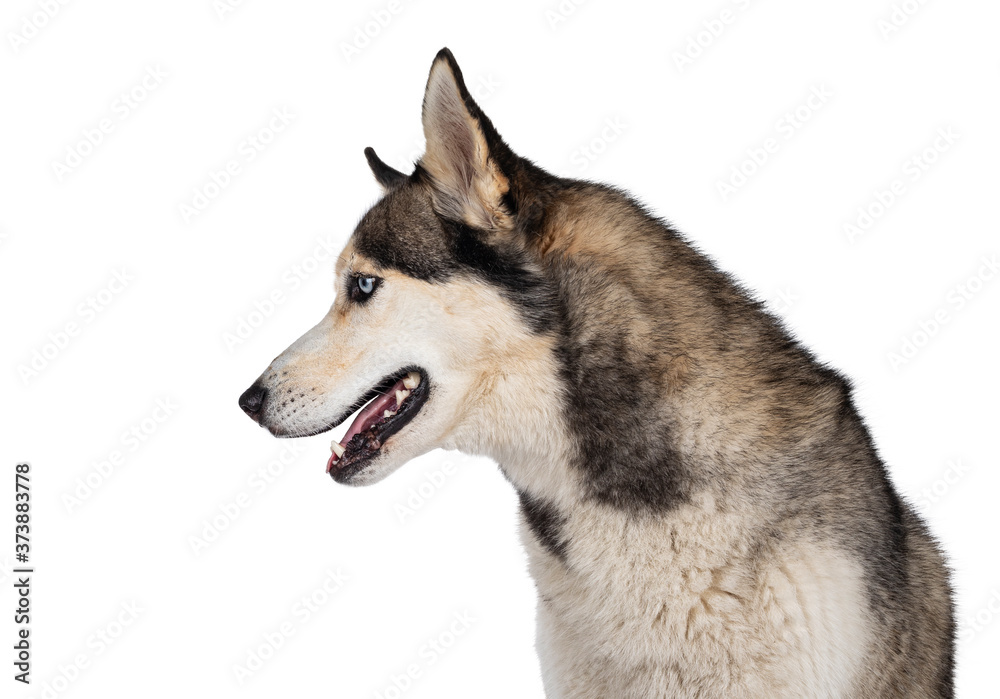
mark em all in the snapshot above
pixel 386 176
pixel 467 182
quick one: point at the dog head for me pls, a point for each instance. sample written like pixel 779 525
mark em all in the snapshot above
pixel 440 309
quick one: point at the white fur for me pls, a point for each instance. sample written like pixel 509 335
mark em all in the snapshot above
pixel 479 358
pixel 680 604
pixel 675 606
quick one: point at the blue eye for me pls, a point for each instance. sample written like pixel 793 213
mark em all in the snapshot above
pixel 362 287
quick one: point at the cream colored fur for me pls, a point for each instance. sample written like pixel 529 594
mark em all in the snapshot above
pixel 714 596
pixel 644 606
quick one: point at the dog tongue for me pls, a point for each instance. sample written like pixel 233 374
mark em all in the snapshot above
pixel 368 416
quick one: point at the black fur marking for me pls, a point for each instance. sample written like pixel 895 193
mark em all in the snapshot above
pixel 403 232
pixel 810 465
pixel 509 272
pixel 388 177
pixel 627 454
pixel 545 522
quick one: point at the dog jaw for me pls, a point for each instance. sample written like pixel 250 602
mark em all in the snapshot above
pixel 460 332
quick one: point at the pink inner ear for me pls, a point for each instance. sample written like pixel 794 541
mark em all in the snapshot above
pixel 448 127
pixel 466 184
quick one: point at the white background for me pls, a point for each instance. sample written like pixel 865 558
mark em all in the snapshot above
pixel 550 76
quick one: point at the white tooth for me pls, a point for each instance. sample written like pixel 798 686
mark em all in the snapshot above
pixel 412 380
pixel 337 449
pixel 388 413
pixel 401 396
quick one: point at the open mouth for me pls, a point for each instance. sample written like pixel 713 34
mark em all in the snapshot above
pixel 396 400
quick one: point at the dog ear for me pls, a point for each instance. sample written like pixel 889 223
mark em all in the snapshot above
pixel 385 175
pixel 462 147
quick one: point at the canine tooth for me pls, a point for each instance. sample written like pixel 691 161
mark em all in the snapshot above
pixel 337 449
pixel 412 380
pixel 388 413
pixel 401 396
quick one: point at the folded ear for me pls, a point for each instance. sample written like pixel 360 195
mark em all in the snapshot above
pixel 385 175
pixel 466 180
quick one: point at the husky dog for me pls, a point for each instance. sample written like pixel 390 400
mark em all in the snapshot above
pixel 704 511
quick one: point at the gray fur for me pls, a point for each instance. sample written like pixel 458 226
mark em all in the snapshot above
pixel 714 519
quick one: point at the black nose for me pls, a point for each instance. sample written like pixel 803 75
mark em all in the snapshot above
pixel 252 401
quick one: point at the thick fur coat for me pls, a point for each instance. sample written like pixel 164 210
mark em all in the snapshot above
pixel 704 510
